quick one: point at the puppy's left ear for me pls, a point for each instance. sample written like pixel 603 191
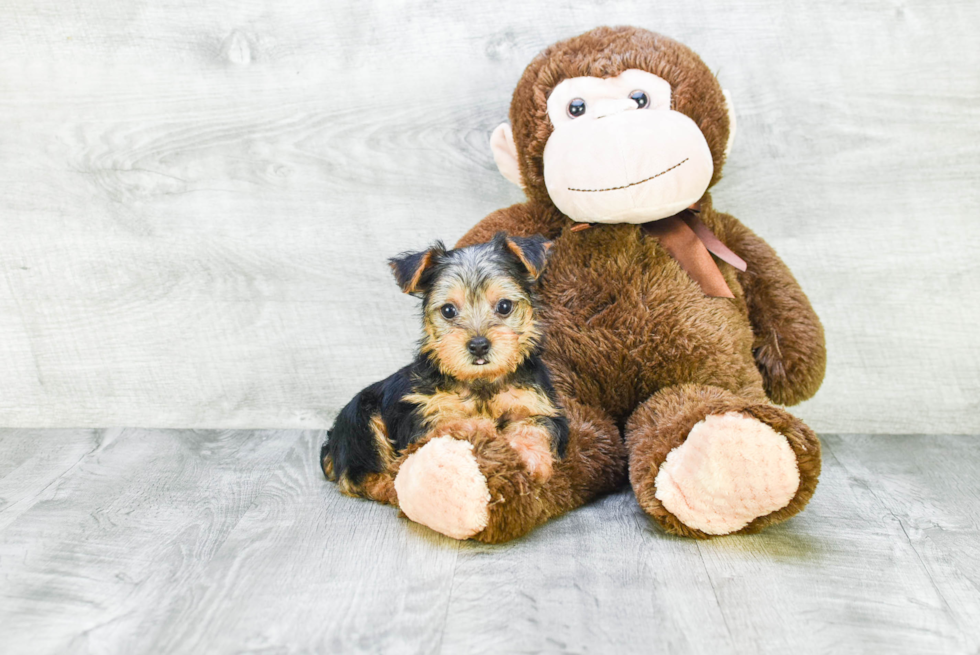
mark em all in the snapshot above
pixel 410 267
pixel 531 251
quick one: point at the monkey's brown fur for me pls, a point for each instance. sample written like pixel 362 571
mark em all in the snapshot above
pixel 632 341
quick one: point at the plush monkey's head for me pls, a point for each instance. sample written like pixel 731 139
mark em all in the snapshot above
pixel 618 125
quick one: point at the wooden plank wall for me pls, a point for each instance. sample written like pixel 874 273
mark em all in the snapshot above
pixel 196 199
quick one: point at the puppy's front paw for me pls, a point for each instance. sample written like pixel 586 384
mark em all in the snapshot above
pixel 440 486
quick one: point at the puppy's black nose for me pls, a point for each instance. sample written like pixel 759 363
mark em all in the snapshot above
pixel 478 346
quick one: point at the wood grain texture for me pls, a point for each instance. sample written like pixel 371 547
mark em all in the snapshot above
pixel 169 541
pixel 198 198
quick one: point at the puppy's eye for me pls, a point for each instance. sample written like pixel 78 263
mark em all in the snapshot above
pixel 448 312
pixel 576 107
pixel 640 98
pixel 504 307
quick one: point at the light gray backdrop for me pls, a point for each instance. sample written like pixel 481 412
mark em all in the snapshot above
pixel 197 199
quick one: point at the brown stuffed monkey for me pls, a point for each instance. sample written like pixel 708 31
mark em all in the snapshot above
pixel 666 359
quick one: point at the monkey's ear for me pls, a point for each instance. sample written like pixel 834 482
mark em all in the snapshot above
pixel 731 121
pixel 410 267
pixel 505 153
pixel 532 252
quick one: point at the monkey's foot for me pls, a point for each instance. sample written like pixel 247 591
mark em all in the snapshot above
pixel 466 481
pixel 730 470
pixel 440 486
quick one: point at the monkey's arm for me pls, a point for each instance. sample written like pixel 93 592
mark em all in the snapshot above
pixel 523 220
pixel 789 340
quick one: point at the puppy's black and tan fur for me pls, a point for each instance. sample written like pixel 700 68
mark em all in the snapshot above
pixel 479 360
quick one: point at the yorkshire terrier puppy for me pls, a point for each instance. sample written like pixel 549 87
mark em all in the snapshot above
pixel 478 361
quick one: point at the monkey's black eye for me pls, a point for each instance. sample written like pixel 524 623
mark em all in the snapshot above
pixel 504 307
pixel 640 98
pixel 576 107
pixel 448 312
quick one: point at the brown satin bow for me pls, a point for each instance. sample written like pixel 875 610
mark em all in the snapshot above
pixel 689 242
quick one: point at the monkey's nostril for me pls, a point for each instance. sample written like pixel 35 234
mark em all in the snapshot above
pixel 478 346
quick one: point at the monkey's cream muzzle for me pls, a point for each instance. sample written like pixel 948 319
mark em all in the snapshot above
pixel 626 165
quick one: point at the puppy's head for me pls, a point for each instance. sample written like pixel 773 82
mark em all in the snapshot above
pixel 478 311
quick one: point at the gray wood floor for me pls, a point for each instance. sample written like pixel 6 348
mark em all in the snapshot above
pixel 179 541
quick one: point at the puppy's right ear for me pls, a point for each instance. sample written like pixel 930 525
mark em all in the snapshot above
pixel 410 267
pixel 531 251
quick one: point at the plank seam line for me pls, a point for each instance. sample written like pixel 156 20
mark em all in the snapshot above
pixel 30 502
pixel 918 556
pixel 721 610
pixel 449 599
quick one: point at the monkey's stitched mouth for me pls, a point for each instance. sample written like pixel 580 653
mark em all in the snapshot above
pixel 626 186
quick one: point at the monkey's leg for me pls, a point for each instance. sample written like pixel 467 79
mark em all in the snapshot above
pixel 466 481
pixel 705 462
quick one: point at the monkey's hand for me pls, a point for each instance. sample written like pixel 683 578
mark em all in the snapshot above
pixel 789 342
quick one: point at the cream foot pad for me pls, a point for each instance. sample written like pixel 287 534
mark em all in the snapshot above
pixel 731 470
pixel 441 486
